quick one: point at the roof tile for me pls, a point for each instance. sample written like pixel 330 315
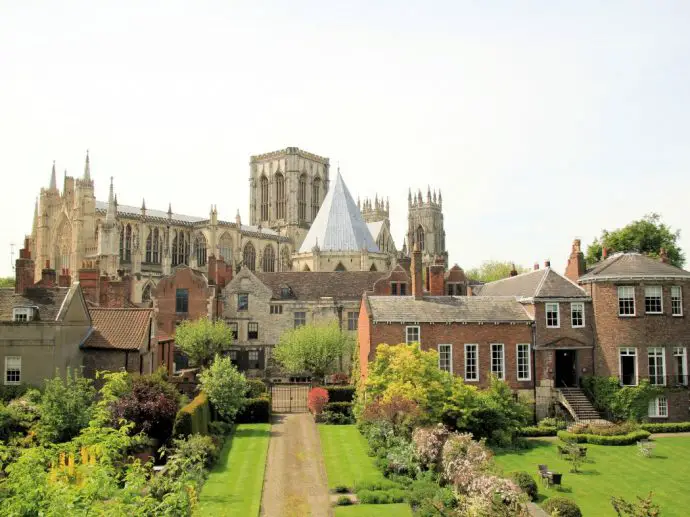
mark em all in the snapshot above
pixel 119 329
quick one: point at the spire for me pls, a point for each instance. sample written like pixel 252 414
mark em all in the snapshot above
pixel 434 196
pixel 143 204
pixel 87 168
pixel 112 205
pixel 388 207
pixel 53 179
pixel 169 210
pixel 440 199
pixel 35 223
pixel 428 194
pixel 409 196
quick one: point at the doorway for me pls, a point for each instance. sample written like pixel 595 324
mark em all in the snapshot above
pixel 566 368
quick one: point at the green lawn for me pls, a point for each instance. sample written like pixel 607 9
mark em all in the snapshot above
pixel 235 484
pixel 615 471
pixel 345 454
pixel 374 510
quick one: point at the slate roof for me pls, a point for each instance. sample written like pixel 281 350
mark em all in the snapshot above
pixel 542 283
pixel 308 285
pixel 118 329
pixel 339 225
pixel 442 309
pixel 47 299
pixel 633 266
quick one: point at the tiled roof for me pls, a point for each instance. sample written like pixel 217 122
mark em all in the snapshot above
pixel 632 265
pixel 47 299
pixel 442 309
pixel 307 285
pixel 119 329
pixel 542 283
pixel 339 225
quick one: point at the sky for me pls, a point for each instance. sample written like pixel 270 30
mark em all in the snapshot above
pixel 540 121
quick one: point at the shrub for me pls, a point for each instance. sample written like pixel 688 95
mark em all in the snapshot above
pixel 317 400
pixel 194 417
pixel 540 430
pixel 343 500
pixel 255 411
pixel 257 388
pixel 678 427
pixel 527 484
pixel 428 443
pixel 462 458
pixel 622 403
pixel 627 439
pixel 341 489
pixel 225 386
pixel 401 459
pixel 340 393
pixel 335 418
pixel 196 448
pixel 402 413
pixel 395 495
pixel 552 422
pixel 65 407
pixel 643 507
pixel 339 407
pixel 562 507
pixel 376 486
pixel 12 391
pixel 603 429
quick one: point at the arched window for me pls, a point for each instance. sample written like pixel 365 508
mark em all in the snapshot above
pixel 156 252
pixel 122 242
pixel 175 246
pixel 128 243
pixel 269 260
pixel 302 198
pixel 340 267
pixel 280 196
pixel 419 237
pixel 63 247
pixel 149 248
pixel 315 197
pixel 249 256
pixel 146 294
pixel 180 254
pixel 225 245
pixel 200 249
pixel 187 242
pixel 264 198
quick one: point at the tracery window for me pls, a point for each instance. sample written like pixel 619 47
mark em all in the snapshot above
pixel 420 237
pixel 269 260
pixel 264 198
pixel 302 198
pixel 225 245
pixel 315 196
pixel 280 196
pixel 200 248
pixel 249 256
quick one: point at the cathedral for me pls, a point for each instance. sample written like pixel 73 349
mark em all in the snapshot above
pixel 300 219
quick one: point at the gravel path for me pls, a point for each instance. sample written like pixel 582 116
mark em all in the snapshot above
pixel 295 480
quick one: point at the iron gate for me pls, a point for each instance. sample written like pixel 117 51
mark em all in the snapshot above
pixel 289 398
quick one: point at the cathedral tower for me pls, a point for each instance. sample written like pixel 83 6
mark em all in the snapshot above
pixel 425 226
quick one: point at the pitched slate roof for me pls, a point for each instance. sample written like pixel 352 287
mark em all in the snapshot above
pixel 118 329
pixel 633 266
pixel 307 285
pixel 442 309
pixel 48 300
pixel 542 283
pixel 339 225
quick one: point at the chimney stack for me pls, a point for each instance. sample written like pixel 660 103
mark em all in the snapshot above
pixel 65 279
pixel 663 255
pixel 604 252
pixel 536 266
pixel 547 263
pixel 437 278
pixel 416 273
pixel 513 271
pixel 576 262
pixel 48 276
pixel 24 269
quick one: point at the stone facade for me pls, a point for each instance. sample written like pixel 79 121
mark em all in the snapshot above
pixel 425 226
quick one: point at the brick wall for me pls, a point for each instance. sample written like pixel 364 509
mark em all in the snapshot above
pixel 165 293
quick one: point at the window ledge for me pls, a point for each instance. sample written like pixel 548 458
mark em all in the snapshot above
pixel 677 315
pixel 627 315
pixel 654 313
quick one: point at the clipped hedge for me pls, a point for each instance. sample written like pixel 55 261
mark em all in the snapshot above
pixel 677 427
pixel 194 417
pixel 344 408
pixel 340 393
pixel 257 388
pixel 562 506
pixel 533 430
pixel 255 411
pixel 623 439
pixel 527 484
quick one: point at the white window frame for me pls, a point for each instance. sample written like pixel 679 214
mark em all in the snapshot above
pixel 503 360
pixel 657 409
pixel 409 328
pixel 450 357
pixel 22 314
pixel 581 306
pixel 558 315
pixel 620 364
pixel 529 362
pixel 475 347
pixel 679 290
pixel 624 288
pixel 660 296
pixel 681 351
pixel 8 359
pixel 656 352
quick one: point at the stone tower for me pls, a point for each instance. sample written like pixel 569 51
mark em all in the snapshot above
pixel 374 211
pixel 286 189
pixel 425 226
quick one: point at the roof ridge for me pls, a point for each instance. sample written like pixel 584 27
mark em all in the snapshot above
pixel 569 280
pixel 516 276
pixel 546 270
pixel 611 260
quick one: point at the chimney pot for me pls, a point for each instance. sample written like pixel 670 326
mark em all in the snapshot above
pixel 536 266
pixel 663 255
pixel 604 252
pixel 547 263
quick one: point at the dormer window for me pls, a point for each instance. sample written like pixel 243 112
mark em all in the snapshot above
pixel 285 292
pixel 22 314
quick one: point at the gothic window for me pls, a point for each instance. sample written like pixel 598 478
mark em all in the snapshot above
pixel 249 256
pixel 269 260
pixel 315 193
pixel 225 245
pixel 174 249
pixel 200 249
pixel 180 254
pixel 264 198
pixel 63 247
pixel 419 237
pixel 128 244
pixel 302 198
pixel 280 196
pixel 156 253
pixel 149 247
pixel 122 242
pixel 146 294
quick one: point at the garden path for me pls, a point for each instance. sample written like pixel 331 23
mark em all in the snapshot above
pixel 295 480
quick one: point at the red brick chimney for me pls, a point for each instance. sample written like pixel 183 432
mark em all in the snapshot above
pixel 23 269
pixel 663 255
pixel 416 273
pixel 576 262
pixel 536 266
pixel 65 279
pixel 437 279
pixel 48 276
pixel 406 264
pixel 513 271
pixel 604 252
pixel 547 263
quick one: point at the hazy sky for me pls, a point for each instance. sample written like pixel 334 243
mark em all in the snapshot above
pixel 540 122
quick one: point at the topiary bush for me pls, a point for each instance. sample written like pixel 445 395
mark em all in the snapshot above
pixel 677 427
pixel 343 500
pixel 335 418
pixel 340 393
pixel 527 484
pixel 562 507
pixel 626 439
pixel 257 388
pixel 194 417
pixel 532 430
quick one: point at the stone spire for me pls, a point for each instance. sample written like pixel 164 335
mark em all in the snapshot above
pixel 35 223
pixel 87 168
pixel 143 203
pixel 440 199
pixel 409 197
pixel 53 178
pixel 112 205
pixel 169 210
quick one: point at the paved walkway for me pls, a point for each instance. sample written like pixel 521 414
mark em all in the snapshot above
pixel 295 480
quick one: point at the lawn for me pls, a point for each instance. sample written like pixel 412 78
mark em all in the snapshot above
pixel 374 510
pixel 235 484
pixel 615 471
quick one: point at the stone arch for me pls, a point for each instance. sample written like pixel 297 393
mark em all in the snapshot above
pixel 62 246
pixel 146 292
pixel 200 249
pixel 263 193
pixel 249 256
pixel 268 259
pixel 340 267
pixel 279 181
pixel 225 247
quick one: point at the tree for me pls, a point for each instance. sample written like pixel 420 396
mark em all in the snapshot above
pixel 66 406
pixel 202 339
pixel 225 386
pixel 492 270
pixel 313 348
pixel 7 281
pixel 648 235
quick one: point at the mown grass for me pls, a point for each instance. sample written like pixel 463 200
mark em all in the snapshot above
pixel 235 484
pixel 614 471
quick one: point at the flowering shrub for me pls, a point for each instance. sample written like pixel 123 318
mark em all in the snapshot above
pixel 462 459
pixel 428 443
pixel 316 400
pixel 401 412
pixel 603 428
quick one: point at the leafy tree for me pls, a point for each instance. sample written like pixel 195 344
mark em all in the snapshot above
pixel 225 386
pixel 647 235
pixel 492 270
pixel 313 348
pixel 644 507
pixel 66 406
pixel 7 281
pixel 202 339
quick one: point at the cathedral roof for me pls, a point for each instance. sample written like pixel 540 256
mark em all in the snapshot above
pixel 339 225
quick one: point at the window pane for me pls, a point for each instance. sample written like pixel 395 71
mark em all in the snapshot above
pixel 497 360
pixel 523 362
pixel 652 299
pixel 577 314
pixel 676 301
pixel 444 358
pixel 242 302
pixel 471 373
pixel 181 300
pixel 626 301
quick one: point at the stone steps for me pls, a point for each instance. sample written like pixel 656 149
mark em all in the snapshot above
pixel 579 405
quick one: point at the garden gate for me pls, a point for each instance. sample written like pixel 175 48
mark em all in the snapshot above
pixel 289 398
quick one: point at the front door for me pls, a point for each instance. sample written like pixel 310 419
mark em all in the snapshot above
pixel 566 368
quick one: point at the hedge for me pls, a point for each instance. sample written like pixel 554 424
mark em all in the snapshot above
pixel 677 427
pixel 344 408
pixel 194 417
pixel 257 388
pixel 624 439
pixel 340 393
pixel 534 430
pixel 255 411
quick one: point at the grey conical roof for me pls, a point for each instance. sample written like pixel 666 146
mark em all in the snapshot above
pixel 339 225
